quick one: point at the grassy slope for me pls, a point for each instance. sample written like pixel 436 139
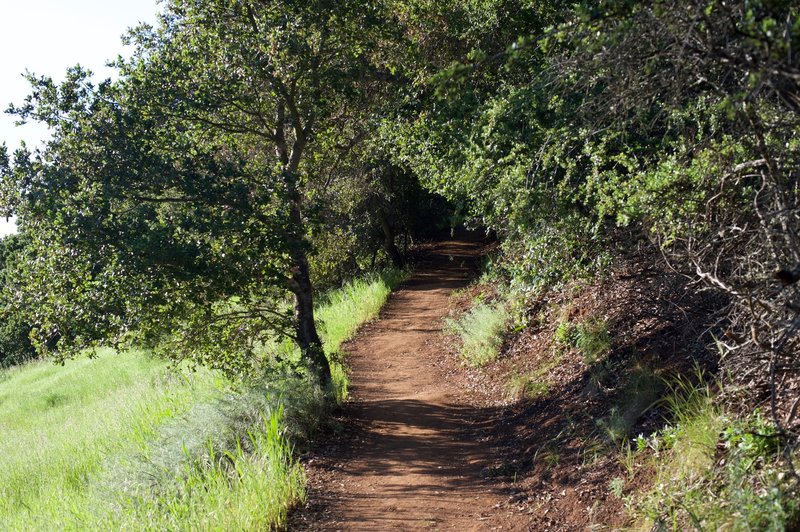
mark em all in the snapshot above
pixel 122 441
pixel 60 423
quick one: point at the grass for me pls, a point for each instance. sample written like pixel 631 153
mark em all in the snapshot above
pixel 714 471
pixel 122 441
pixel 481 330
pixel 641 390
pixel 526 387
pixel 249 487
pixel 617 486
pixel 341 312
pixel 535 384
pixel 59 424
pixel 589 337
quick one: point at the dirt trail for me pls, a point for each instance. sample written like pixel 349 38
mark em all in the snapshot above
pixel 410 453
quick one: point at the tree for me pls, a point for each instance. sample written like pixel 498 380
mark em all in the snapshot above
pixel 622 122
pixel 170 206
pixel 15 344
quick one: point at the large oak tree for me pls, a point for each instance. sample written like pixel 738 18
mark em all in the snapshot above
pixel 171 205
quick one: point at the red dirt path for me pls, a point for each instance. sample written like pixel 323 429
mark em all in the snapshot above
pixel 412 452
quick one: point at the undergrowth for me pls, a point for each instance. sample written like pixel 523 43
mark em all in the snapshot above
pixel 589 337
pixel 481 331
pixel 526 387
pixel 122 441
pixel 704 466
pixel 713 470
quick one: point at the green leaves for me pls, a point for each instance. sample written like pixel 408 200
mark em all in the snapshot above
pixel 168 207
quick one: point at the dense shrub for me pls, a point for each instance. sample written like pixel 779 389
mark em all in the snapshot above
pixel 672 125
pixel 15 344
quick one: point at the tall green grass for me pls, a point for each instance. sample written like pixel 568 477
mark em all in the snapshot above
pixel 341 312
pixel 59 425
pixel 250 485
pixel 122 441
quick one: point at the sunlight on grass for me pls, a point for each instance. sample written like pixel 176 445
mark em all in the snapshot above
pixel 250 487
pixel 341 312
pixel 122 441
pixel 713 471
pixel 60 423
pixel 481 330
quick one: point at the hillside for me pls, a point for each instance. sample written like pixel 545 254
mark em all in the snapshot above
pixel 123 440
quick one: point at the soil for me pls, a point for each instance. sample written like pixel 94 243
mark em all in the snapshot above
pixel 427 443
pixel 411 450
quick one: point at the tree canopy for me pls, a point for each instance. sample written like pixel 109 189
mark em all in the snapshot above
pixel 175 204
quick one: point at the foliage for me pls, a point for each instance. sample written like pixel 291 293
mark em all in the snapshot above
pixel 590 337
pixel 371 207
pixel 481 330
pixel 602 130
pixel 15 343
pixel 526 387
pixel 250 149
pixel 186 189
pixel 715 471
pixel 171 447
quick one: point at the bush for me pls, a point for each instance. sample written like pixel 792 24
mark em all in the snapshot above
pixel 481 331
pixel 527 387
pixel 15 343
pixel 715 471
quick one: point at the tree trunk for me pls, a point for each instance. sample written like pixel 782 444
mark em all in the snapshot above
pixel 307 337
pixel 300 284
pixel 388 240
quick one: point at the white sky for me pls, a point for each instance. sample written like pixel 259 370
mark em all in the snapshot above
pixel 48 36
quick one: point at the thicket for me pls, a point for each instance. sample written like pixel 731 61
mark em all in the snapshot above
pixel 15 325
pixel 581 134
pixel 588 135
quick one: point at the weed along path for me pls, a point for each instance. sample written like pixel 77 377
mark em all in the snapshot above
pixel 408 453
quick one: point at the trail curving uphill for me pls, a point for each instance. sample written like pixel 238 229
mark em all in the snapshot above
pixel 409 454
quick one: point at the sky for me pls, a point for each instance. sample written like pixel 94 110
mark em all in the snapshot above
pixel 48 36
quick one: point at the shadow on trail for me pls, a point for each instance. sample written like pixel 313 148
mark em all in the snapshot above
pixel 446 431
pixel 400 461
pixel 381 438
